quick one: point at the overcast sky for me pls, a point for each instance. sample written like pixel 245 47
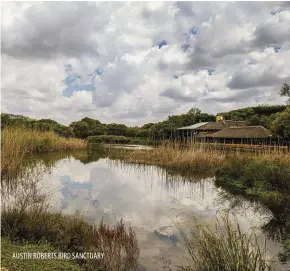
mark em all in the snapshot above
pixel 138 62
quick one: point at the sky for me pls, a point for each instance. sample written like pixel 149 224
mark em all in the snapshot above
pixel 138 62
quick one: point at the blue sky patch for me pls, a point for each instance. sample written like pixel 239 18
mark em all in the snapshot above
pixel 75 82
pixel 162 43
pixel 210 71
pixel 96 72
pixel 193 31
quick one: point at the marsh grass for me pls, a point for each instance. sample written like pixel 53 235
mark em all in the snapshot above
pixel 26 219
pixel 17 143
pixel 225 248
pixel 198 158
pixel 8 248
pixel 174 157
pixel 257 174
pixel 73 234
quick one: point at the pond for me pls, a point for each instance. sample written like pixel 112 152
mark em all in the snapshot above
pixel 155 202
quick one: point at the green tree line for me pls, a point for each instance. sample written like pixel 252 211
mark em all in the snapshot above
pixel 274 117
pixel 90 127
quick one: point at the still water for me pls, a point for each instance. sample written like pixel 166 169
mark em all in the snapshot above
pixel 156 203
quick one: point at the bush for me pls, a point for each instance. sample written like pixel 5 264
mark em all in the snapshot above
pixel 256 175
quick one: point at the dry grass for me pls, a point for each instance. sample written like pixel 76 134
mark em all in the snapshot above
pixel 36 225
pixel 172 156
pixel 17 142
pixel 195 158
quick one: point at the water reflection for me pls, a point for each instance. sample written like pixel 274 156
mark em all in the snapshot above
pixel 153 200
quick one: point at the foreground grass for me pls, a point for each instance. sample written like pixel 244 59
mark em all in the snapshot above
pixel 225 248
pixel 17 143
pixel 8 248
pixel 73 234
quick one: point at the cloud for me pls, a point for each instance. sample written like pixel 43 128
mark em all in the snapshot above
pixel 139 62
pixel 274 31
pixel 49 29
pixel 265 69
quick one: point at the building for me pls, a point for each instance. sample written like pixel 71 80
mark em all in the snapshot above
pixel 206 129
pixel 246 134
pixel 222 130
pixel 189 131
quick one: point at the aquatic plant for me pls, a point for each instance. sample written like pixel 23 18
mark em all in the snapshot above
pixel 225 248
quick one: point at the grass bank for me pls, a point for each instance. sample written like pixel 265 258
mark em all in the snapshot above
pixel 257 175
pixel 267 179
pixel 71 235
pixel 113 139
pixel 17 143
pixel 9 248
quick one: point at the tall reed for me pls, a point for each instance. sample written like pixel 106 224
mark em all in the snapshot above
pixel 17 142
pixel 173 156
pixel 226 248
pixel 195 158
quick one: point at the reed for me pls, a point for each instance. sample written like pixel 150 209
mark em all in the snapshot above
pixel 26 218
pixel 199 158
pixel 17 143
pixel 172 156
pixel 225 248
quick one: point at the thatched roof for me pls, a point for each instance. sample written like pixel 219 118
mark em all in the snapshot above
pixel 194 126
pixel 243 132
pixel 221 124
pixel 204 134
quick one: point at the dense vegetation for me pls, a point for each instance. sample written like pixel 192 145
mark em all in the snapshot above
pixel 276 118
pixel 267 179
pixel 73 235
pixel 18 142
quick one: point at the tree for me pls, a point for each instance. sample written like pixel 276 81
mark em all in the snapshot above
pixel 116 129
pixel 281 124
pixel 194 111
pixel 80 129
pixel 285 91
